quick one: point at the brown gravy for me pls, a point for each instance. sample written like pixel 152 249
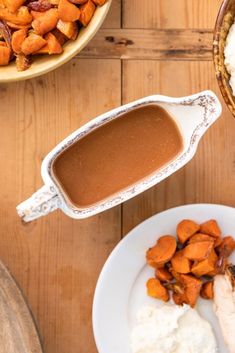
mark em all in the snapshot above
pixel 117 155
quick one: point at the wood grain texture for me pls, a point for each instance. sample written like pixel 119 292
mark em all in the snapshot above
pixel 56 260
pixel 113 20
pixel 210 176
pixel 18 333
pixel 170 13
pixel 159 44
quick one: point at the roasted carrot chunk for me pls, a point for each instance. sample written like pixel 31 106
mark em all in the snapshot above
pixel 202 268
pixel 68 12
pixel 69 29
pixel 5 54
pixel 218 241
pixel 62 39
pixel 156 290
pixel 16 27
pixel 211 228
pixel 32 44
pixel 162 252
pixel 180 263
pixel 45 23
pixel 52 47
pixel 227 246
pixel 186 229
pixel 207 291
pixel 179 298
pixel 207 266
pixel 13 5
pixel 192 287
pixel 87 12
pixel 198 251
pixel 36 14
pixel 20 17
pixel 163 274
pixel 17 39
pixel 200 237
pixel 213 257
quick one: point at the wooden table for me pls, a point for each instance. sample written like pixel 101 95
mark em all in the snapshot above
pixel 144 47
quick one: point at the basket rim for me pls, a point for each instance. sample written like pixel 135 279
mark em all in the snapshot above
pixel 218 58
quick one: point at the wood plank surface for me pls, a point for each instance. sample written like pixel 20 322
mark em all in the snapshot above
pixel 170 13
pixel 152 44
pixel 164 46
pixel 56 260
pixel 113 20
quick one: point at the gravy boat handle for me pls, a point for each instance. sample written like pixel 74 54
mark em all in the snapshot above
pixel 194 114
pixel 42 202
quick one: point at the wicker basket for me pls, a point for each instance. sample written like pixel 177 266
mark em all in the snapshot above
pixel 223 23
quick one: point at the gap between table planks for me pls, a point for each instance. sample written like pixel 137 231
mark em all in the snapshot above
pixel 57 260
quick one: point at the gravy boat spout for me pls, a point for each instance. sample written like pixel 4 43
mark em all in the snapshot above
pixel 193 115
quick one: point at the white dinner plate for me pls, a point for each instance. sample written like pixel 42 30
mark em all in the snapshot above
pixel 121 288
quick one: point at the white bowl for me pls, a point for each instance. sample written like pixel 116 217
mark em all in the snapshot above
pixel 45 63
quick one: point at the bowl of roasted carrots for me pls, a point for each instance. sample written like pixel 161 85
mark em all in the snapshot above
pixel 37 36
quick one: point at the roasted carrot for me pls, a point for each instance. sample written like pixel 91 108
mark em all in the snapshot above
pixel 16 27
pixel 213 257
pixel 198 251
pixel 162 252
pixel 227 246
pixel 17 39
pixel 45 23
pixel 192 287
pixel 186 229
pixel 13 5
pixel 36 14
pixel 20 17
pixel 52 46
pixel 179 299
pixel 87 12
pixel 5 54
pixel 200 237
pixel 68 12
pixel 32 44
pixel 207 291
pixel 211 228
pixel 163 274
pixel 69 29
pixel 156 290
pixel 180 263
pixel 218 241
pixel 202 268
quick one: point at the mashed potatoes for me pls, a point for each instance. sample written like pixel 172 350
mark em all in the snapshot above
pixel 229 56
pixel 172 329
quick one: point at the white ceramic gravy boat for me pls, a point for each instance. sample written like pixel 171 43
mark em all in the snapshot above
pixel 193 115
